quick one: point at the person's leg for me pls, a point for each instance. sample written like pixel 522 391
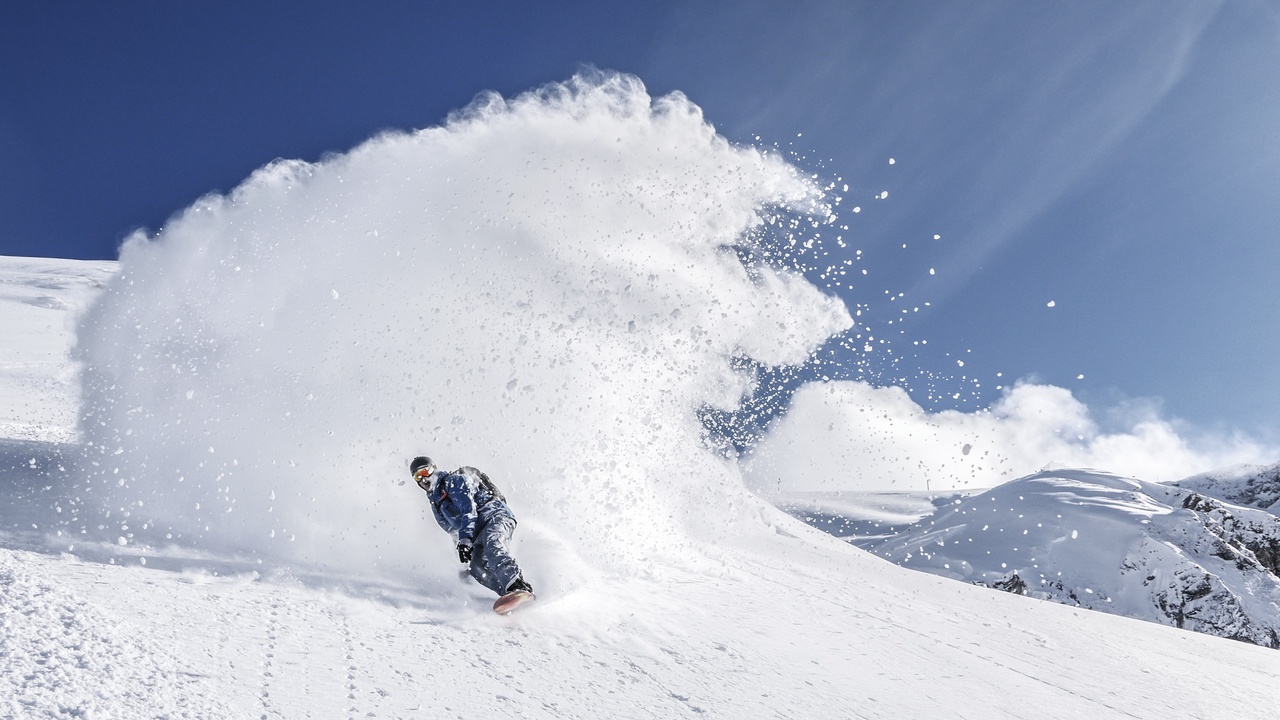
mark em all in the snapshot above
pixel 491 561
pixel 477 567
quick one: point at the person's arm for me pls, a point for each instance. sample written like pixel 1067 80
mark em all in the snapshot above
pixel 462 495
pixel 441 520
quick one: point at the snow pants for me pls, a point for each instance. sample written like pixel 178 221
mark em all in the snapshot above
pixel 491 563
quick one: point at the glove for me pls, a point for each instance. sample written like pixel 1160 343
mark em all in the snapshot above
pixel 464 553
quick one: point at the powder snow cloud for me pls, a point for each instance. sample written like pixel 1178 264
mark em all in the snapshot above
pixel 544 287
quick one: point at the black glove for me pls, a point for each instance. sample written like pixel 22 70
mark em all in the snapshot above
pixel 464 553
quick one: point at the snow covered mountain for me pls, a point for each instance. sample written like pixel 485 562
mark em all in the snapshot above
pixel 1249 485
pixel 1155 552
pixel 214 522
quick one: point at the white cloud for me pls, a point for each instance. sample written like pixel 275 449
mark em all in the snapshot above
pixel 852 436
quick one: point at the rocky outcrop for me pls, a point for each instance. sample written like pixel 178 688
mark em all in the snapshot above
pixel 1249 541
pixel 1188 595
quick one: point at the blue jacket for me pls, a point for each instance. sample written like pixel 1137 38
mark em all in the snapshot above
pixel 463 503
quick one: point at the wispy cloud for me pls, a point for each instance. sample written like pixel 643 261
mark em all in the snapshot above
pixel 1032 114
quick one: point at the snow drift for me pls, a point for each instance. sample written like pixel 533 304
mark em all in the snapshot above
pixel 544 287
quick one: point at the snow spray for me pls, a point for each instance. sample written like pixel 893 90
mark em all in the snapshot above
pixel 548 287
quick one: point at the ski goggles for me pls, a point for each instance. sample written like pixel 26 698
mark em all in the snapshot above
pixel 423 475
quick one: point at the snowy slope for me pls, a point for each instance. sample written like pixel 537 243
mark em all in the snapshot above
pixel 799 625
pixel 38 387
pixel 552 288
pixel 794 627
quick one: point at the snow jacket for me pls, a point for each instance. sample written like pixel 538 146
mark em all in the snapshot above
pixel 465 500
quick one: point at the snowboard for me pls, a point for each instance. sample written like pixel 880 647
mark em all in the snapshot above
pixel 512 600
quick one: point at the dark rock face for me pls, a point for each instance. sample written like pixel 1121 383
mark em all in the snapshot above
pixel 1012 584
pixel 1251 542
pixel 1195 599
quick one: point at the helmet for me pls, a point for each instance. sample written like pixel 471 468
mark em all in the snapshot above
pixel 420 462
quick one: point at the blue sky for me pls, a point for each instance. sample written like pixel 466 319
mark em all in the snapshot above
pixel 1120 160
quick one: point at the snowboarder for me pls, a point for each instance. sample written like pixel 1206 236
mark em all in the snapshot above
pixel 468 506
